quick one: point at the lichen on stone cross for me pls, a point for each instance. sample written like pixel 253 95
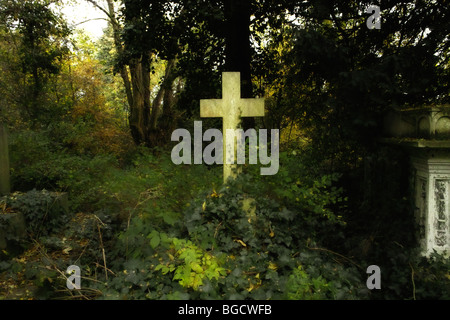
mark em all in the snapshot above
pixel 231 108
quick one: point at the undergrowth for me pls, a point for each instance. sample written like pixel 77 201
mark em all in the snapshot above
pixel 148 229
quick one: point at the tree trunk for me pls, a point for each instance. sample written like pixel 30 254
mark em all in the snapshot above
pixel 143 115
pixel 169 116
pixel 164 93
pixel 140 109
pixel 118 45
pixel 237 46
pixel 5 187
pixel 158 131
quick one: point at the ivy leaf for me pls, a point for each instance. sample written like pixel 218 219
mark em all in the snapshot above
pixel 155 240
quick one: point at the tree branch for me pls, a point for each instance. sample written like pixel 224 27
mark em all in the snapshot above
pixel 111 17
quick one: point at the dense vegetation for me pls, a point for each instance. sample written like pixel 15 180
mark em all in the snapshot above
pixel 93 119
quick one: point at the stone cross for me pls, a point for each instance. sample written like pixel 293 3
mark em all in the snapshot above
pixel 231 108
pixel 4 162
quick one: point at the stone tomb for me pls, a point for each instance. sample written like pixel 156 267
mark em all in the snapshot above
pixel 425 133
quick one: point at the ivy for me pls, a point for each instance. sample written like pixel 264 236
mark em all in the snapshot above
pixel 261 240
pixel 301 286
pixel 44 211
pixel 189 264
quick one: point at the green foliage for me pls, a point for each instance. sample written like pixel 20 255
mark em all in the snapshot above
pixel 189 264
pixel 322 69
pixel 306 187
pixel 431 278
pixel 250 239
pixel 408 275
pixel 44 212
pixel 262 239
pixel 221 244
pixel 301 286
pixel 39 162
pixel 41 44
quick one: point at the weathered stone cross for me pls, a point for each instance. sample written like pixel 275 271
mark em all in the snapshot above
pixel 231 108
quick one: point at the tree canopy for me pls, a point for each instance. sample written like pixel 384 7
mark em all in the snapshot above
pixel 330 64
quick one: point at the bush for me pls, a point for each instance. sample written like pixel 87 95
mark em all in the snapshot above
pixel 258 237
pixel 300 286
pixel 238 242
pixel 44 212
pixel 37 162
pixel 263 240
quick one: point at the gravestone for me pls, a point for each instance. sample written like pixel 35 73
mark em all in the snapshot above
pixel 5 187
pixel 12 232
pixel 425 133
pixel 231 108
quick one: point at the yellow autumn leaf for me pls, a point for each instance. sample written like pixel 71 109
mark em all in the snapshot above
pixel 214 194
pixel 241 242
pixel 204 206
pixel 273 266
pixel 251 287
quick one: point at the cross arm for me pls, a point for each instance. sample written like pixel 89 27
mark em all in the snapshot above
pixel 211 108
pixel 252 107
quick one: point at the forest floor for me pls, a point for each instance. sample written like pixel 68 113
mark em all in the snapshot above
pixel 23 281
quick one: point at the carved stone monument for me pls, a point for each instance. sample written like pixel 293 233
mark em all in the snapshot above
pixel 425 133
